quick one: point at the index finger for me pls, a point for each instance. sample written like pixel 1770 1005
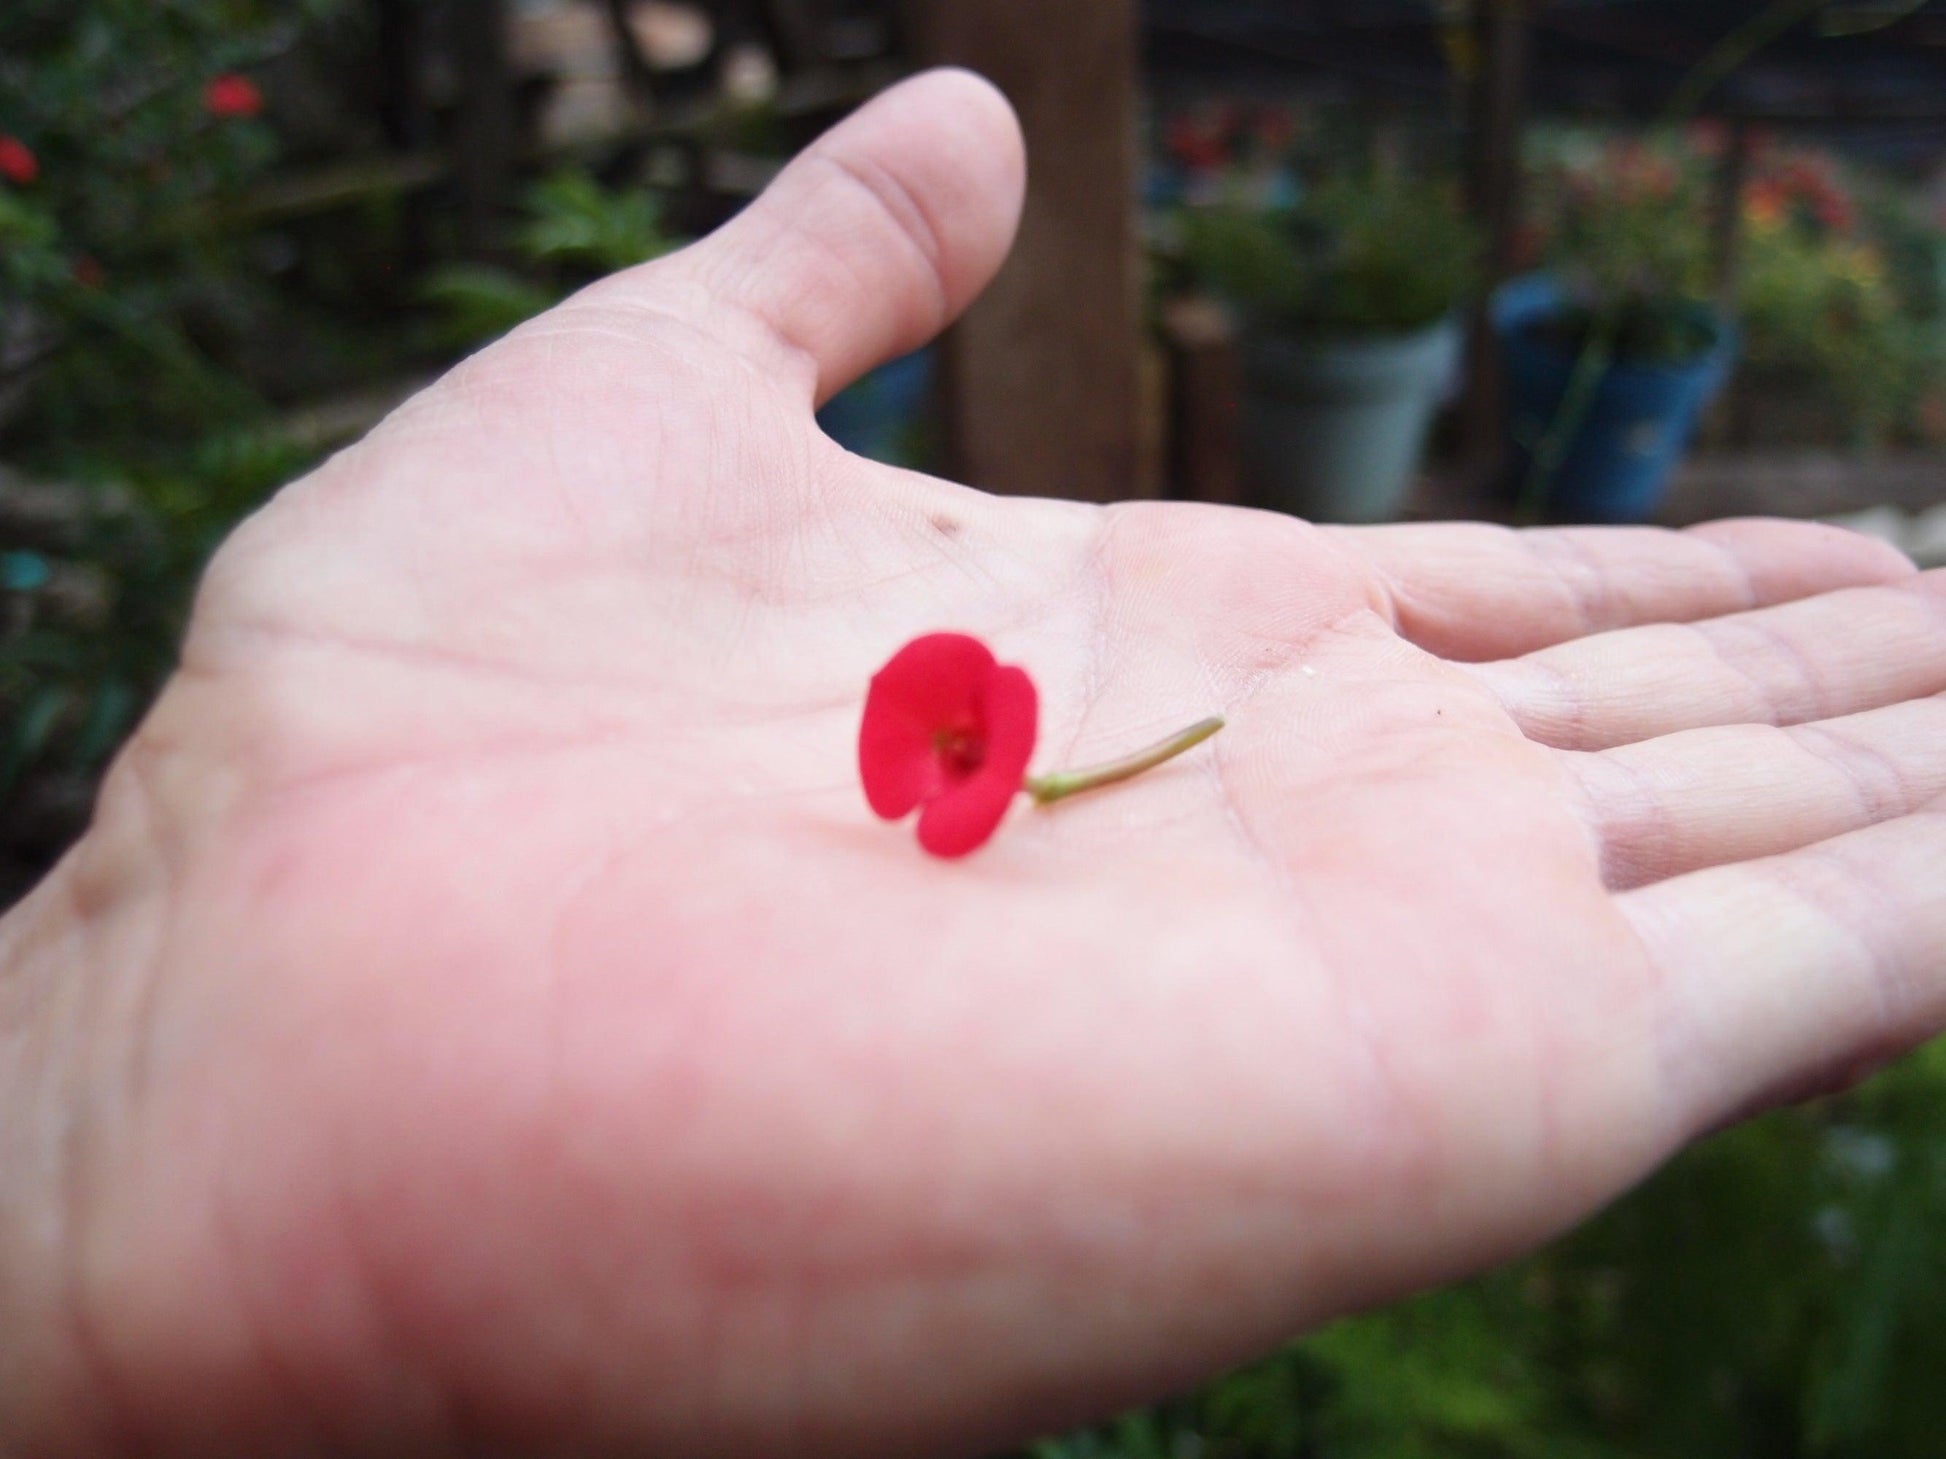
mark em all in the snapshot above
pixel 1472 592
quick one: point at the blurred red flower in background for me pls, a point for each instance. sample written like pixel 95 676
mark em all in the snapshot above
pixel 1802 185
pixel 17 163
pixel 1196 143
pixel 231 95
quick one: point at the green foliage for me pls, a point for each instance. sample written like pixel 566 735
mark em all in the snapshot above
pixel 574 220
pixel 1822 309
pixel 125 301
pixel 113 263
pixel 476 301
pixel 1779 1291
pixel 69 691
pixel 574 229
pixel 1847 307
pixel 138 324
pixel 1378 254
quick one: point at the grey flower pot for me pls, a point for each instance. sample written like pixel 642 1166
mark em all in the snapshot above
pixel 1334 430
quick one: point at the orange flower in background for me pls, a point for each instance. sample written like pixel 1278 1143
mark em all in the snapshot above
pixel 1766 203
pixel 231 95
pixel 1805 187
pixel 18 164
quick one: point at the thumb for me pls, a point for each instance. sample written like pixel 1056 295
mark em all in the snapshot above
pixel 870 242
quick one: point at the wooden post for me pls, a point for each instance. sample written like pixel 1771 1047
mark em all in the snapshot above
pixel 1726 206
pixel 400 54
pixel 636 76
pixel 794 27
pixel 1497 109
pixel 483 133
pixel 405 116
pixel 1728 424
pixel 1499 114
pixel 1205 391
pixel 1042 386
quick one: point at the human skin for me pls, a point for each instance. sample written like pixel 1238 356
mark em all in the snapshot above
pixel 484 1017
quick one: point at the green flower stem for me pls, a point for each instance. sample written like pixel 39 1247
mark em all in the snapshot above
pixel 1062 783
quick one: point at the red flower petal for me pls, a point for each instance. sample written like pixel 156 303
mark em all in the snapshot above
pixel 1012 712
pixel 965 815
pixel 933 683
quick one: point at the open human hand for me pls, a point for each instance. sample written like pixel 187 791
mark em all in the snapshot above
pixel 485 1018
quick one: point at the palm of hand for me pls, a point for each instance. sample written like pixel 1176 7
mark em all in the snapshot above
pixel 547 1041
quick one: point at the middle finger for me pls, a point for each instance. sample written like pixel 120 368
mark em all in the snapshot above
pixel 1817 658
pixel 1706 797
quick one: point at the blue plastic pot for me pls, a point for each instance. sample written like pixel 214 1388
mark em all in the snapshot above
pixel 875 416
pixel 1334 429
pixel 1635 427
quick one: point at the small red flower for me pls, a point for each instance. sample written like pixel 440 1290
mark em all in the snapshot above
pixel 231 95
pixel 1191 144
pixel 947 731
pixel 17 163
pixel 88 272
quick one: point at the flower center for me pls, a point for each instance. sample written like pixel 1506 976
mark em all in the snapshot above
pixel 960 751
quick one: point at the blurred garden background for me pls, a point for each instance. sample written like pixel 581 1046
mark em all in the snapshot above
pixel 1520 260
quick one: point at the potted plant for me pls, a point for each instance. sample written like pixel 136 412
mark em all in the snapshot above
pixel 1612 357
pixel 1348 308
pixel 1832 318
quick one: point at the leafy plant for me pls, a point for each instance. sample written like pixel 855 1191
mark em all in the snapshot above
pixel 132 126
pixel 70 687
pixel 1626 228
pixel 1840 290
pixel 1848 308
pixel 1822 310
pixel 1780 1289
pixel 476 301
pixel 574 221
pixel 1377 254
pixel 573 229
